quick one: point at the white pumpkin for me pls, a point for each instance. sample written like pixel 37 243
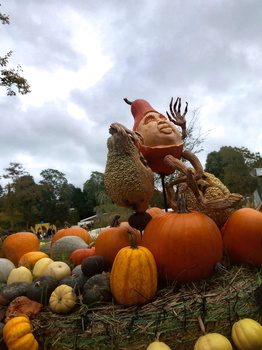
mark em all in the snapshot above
pixel 58 269
pixel 6 266
pixel 63 299
pixel 20 274
pixel 40 267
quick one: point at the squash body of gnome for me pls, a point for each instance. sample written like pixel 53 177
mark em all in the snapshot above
pixel 129 181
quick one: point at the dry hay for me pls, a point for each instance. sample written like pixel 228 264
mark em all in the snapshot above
pixel 220 301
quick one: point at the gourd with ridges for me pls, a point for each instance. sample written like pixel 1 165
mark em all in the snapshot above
pixel 247 334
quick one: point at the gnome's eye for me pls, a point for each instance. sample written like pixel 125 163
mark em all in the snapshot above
pixel 149 119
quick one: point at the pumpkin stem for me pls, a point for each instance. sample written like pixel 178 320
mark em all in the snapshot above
pixel 133 240
pixel 115 221
pixel 127 101
pixel 182 204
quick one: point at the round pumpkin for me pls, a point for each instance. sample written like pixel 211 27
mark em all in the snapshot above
pixel 247 334
pixel 213 341
pixel 62 248
pixel 17 334
pixel 63 299
pixel 133 278
pixel 41 289
pixel 186 245
pixel 20 274
pixel 114 238
pixel 79 255
pixel 6 266
pixel 158 345
pixel 97 289
pixel 18 244
pixel 40 267
pixel 58 270
pixel 29 259
pixel 242 236
pixel 93 265
pixel 72 231
pixel 12 291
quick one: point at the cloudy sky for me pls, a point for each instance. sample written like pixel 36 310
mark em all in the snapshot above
pixel 83 57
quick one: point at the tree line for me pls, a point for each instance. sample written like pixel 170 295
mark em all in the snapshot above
pixel 23 202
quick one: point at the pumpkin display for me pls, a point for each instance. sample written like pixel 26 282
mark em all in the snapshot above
pixel 17 334
pixel 133 278
pixel 63 299
pixel 6 266
pixel 186 245
pixel 79 255
pixel 40 267
pixel 20 274
pixel 114 238
pixel 247 334
pixel 41 289
pixel 17 244
pixel 72 231
pixel 242 237
pixel 62 248
pixel 97 289
pixel 158 345
pixel 93 265
pixel 58 270
pixel 10 292
pixel 29 259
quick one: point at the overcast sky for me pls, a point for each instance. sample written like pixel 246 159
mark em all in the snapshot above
pixel 83 57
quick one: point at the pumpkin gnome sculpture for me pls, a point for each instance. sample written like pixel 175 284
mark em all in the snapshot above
pixel 156 145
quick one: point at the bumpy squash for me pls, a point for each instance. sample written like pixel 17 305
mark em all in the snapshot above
pixel 18 244
pixel 18 335
pixel 247 334
pixel 133 278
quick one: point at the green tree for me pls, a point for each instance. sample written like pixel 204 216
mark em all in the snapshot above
pixel 232 166
pixel 10 77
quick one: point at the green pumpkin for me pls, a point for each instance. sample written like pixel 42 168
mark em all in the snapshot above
pixel 41 289
pixel 97 289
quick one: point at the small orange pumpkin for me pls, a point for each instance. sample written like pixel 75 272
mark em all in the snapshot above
pixel 242 237
pixel 17 334
pixel 79 255
pixel 72 231
pixel 29 259
pixel 114 238
pixel 17 244
pixel 133 278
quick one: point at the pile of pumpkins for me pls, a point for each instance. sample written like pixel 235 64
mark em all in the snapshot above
pixel 128 266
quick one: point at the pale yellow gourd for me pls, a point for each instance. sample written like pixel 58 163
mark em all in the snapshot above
pixel 40 267
pixel 63 299
pixel 58 270
pixel 20 274
pixel 247 334
pixel 158 345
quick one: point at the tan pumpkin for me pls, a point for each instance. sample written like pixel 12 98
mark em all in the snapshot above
pixel 247 334
pixel 63 299
pixel 17 334
pixel 20 274
pixel 6 266
pixel 18 244
pixel 40 267
pixel 58 269
pixel 29 259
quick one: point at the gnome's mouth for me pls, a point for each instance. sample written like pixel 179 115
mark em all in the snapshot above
pixel 165 128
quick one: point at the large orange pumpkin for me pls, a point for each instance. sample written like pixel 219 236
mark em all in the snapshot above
pixel 17 244
pixel 133 278
pixel 114 238
pixel 72 231
pixel 242 237
pixel 186 245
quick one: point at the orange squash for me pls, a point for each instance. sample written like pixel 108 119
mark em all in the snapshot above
pixel 186 245
pixel 17 244
pixel 242 237
pixel 29 259
pixel 133 278
pixel 72 231
pixel 114 238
